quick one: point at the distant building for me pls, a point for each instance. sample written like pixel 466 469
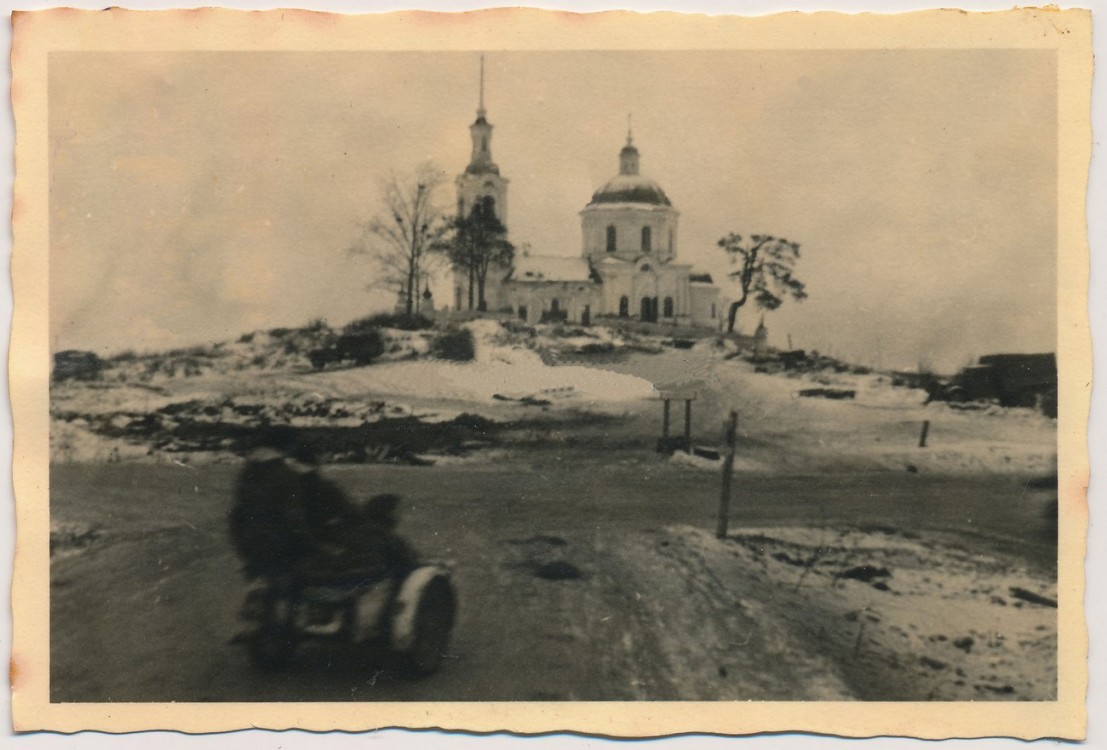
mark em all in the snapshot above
pixel 1011 379
pixel 627 266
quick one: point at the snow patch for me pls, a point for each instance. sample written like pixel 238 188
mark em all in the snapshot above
pixel 692 461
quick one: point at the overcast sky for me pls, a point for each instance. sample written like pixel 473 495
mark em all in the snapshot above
pixel 195 196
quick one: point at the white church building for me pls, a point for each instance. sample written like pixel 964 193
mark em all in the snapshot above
pixel 627 266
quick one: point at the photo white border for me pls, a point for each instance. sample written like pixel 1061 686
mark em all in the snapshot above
pixel 1098 315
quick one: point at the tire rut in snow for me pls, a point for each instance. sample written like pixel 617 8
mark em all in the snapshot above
pixel 714 639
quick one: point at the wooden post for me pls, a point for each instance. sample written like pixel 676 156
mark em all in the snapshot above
pixel 925 430
pixel 688 423
pixel 728 469
pixel 665 420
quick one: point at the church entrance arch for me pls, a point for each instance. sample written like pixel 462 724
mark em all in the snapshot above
pixel 624 306
pixel 649 309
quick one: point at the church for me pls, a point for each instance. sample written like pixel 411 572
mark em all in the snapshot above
pixel 627 267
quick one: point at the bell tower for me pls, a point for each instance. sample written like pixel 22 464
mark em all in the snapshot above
pixel 481 181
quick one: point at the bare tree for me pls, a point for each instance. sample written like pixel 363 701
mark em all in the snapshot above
pixel 400 238
pixel 764 269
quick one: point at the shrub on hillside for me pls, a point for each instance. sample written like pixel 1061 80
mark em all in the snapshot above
pixel 453 345
pixel 199 350
pixel 77 365
pixel 402 321
pixel 358 348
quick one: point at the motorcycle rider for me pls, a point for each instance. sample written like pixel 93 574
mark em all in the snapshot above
pixel 288 519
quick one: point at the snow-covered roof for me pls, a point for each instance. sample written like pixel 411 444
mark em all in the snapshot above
pixel 550 268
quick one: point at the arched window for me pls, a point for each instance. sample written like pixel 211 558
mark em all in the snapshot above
pixel 712 309
pixel 667 309
pixel 484 143
pixel 611 238
pixel 646 240
pixel 670 241
pixel 555 306
pixel 488 205
pixel 624 306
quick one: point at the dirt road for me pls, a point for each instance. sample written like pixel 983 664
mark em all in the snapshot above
pixel 142 608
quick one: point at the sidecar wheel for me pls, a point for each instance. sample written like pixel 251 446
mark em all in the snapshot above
pixel 434 620
pixel 271 648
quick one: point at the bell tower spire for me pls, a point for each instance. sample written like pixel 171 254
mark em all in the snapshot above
pixel 481 182
pixel 480 106
pixel 481 131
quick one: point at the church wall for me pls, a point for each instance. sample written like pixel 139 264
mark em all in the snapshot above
pixel 628 222
pixel 659 281
pixel 616 285
pixel 705 302
pixel 537 298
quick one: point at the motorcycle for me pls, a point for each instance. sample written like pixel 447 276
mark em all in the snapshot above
pixel 401 619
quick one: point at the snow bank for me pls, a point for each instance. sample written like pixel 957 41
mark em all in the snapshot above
pixel 692 461
pixel 74 443
pixel 915 616
pixel 510 373
pixel 874 390
pixel 498 369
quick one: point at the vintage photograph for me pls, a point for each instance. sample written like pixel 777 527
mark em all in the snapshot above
pixel 525 375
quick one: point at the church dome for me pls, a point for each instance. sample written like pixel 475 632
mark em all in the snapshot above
pixel 628 186
pixel 631 188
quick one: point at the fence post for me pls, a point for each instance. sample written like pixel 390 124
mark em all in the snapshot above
pixel 925 431
pixel 728 470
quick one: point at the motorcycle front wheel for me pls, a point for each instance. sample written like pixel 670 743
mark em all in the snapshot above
pixel 434 621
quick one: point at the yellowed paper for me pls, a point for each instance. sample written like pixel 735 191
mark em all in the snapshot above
pixel 194 187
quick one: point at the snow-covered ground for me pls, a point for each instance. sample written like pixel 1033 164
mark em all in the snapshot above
pixel 900 611
pixel 512 373
pixel 510 376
